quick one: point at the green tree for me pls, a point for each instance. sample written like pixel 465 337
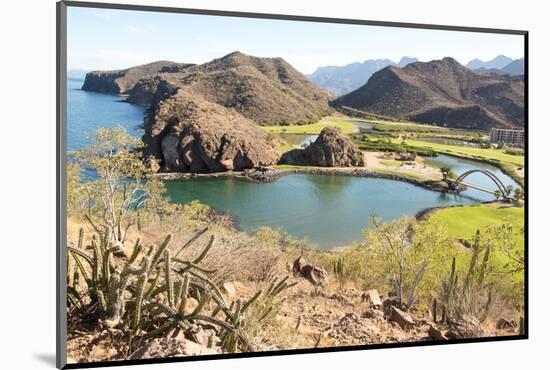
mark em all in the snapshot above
pixel 124 187
pixel 445 172
pixel 518 194
pixel 411 253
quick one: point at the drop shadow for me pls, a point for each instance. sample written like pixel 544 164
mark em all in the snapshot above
pixel 46 358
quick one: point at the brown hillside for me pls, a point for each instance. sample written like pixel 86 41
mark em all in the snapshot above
pixel 266 90
pixel 442 92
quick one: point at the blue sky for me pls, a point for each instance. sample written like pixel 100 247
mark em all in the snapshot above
pixel 111 39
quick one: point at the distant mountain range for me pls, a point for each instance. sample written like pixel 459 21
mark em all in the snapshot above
pixel 340 80
pixel 500 65
pixel 442 92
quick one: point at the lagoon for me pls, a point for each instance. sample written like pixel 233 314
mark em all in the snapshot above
pixel 328 210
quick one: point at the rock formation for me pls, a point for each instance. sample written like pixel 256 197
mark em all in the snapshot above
pixel 331 149
pixel 187 133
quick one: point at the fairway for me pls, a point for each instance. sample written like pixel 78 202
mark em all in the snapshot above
pixel 468 152
pixel 462 222
pixel 314 128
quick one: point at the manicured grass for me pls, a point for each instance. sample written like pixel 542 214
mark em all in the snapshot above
pixel 469 152
pixel 462 222
pixel 285 148
pixel 314 128
pixel 391 162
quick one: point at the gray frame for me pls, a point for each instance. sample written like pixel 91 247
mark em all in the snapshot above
pixel 61 175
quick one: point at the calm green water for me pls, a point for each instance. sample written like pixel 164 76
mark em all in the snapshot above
pixel 327 210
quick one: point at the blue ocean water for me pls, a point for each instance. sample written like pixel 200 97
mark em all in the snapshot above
pixel 88 111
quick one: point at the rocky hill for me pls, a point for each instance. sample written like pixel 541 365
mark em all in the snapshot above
pixel 265 90
pixel 515 68
pixel 442 92
pixel 340 80
pixel 122 80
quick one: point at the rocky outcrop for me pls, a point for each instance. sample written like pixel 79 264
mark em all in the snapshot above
pixel 331 149
pixel 442 92
pixel 123 80
pixel 189 134
pixel 404 320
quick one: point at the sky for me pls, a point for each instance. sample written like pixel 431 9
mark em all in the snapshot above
pixel 103 39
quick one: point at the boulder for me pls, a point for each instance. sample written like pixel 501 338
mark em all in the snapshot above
pixel 503 324
pixel 331 149
pixel 390 302
pixel 436 334
pixel 315 275
pixel 372 298
pixel 467 327
pixel 401 318
pixel 298 264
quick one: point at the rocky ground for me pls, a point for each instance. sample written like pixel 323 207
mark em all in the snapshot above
pixel 316 312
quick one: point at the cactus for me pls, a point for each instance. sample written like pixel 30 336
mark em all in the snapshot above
pixel 339 271
pixel 129 296
pixel 168 277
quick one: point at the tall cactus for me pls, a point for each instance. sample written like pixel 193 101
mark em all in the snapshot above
pixel 129 296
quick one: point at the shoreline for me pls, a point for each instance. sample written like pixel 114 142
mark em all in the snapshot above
pixel 272 174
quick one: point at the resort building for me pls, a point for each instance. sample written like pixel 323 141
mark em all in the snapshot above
pixel 505 135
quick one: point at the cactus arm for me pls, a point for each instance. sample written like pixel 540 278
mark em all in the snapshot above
pixel 192 240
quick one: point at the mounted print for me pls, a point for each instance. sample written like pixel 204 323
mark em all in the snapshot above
pixel 235 184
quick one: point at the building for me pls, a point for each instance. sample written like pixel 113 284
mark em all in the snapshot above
pixel 506 135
